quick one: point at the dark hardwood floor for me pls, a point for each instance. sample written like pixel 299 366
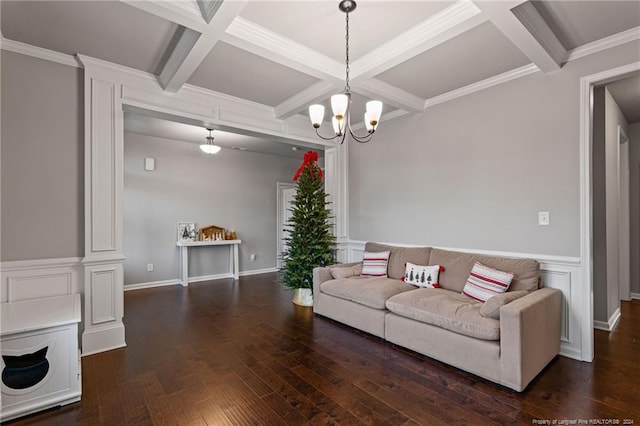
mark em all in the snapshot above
pixel 242 353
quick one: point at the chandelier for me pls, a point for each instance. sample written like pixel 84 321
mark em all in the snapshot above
pixel 341 102
pixel 210 147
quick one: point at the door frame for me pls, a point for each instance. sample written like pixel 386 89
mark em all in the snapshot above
pixel 280 188
pixel 624 225
pixel 587 85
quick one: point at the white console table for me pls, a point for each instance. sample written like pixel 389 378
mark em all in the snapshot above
pixel 234 267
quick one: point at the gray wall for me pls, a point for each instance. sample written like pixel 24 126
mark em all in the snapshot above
pixel 606 203
pixel 634 201
pixel 233 189
pixel 42 159
pixel 474 172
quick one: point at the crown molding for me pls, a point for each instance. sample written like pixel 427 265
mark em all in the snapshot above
pixel 316 93
pixel 615 40
pixel 443 26
pixel 39 52
pixel 481 85
pixel 260 41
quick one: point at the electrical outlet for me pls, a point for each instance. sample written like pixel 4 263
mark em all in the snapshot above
pixel 252 257
pixel 543 218
pixel 149 267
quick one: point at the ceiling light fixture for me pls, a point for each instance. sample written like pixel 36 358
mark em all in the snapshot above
pixel 209 147
pixel 340 103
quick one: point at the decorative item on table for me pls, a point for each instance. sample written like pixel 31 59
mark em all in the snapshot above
pixel 187 231
pixel 211 233
pixel 230 235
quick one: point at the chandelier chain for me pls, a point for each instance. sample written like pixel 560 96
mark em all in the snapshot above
pixel 347 88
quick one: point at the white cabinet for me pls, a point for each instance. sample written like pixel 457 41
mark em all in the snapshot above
pixel 40 358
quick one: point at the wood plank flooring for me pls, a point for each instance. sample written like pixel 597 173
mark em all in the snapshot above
pixel 225 353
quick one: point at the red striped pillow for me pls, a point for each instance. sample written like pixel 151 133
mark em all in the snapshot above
pixel 484 282
pixel 374 264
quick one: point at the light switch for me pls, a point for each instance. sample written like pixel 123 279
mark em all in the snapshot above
pixel 543 218
pixel 149 164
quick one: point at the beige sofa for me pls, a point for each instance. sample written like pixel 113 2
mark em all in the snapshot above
pixel 442 323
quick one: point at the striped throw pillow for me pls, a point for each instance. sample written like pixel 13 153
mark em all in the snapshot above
pixel 375 264
pixel 484 282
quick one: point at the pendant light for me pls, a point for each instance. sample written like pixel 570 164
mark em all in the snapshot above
pixel 209 147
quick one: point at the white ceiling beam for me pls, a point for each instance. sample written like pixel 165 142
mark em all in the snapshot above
pixel 191 48
pixel 441 27
pixel 208 8
pixel 314 94
pixel 528 31
pixel 171 11
pixel 260 41
pixel 398 98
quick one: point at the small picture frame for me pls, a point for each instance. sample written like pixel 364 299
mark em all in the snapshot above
pixel 187 231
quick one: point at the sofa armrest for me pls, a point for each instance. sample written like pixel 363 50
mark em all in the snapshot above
pixel 529 336
pixel 323 273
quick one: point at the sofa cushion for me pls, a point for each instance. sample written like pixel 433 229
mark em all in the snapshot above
pixel 446 309
pixel 346 271
pixel 368 291
pixel 400 255
pixel 491 308
pixel 374 264
pixel 458 265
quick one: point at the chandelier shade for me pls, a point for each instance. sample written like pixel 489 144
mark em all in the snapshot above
pixel 210 147
pixel 341 102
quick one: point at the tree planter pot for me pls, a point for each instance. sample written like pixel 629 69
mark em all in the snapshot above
pixel 303 297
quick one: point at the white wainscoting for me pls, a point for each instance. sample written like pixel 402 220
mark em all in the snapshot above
pixel 34 279
pixel 562 273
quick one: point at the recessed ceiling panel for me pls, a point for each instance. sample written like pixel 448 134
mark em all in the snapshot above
pixel 580 22
pixel 320 25
pixel 109 30
pixel 475 55
pixel 242 74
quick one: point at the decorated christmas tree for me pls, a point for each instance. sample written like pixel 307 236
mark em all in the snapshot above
pixel 310 242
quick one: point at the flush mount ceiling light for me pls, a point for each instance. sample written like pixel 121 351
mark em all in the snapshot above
pixel 209 147
pixel 340 103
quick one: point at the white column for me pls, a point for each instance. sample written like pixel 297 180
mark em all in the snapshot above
pixel 336 185
pixel 104 257
pixel 184 266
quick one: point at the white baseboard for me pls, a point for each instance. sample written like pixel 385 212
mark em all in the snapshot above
pixel 164 283
pixel 258 272
pixel 635 296
pixel 608 325
pixel 103 339
pixel 151 284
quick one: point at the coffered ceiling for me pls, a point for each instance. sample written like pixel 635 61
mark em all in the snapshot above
pixel 289 54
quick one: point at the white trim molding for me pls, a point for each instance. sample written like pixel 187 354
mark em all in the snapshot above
pixel 610 42
pixel 34 279
pixel 39 52
pixel 585 308
pixel 635 296
pixel 559 272
pixel 165 283
pixel 610 324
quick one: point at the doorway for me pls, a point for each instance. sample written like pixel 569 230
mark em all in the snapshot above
pixel 286 195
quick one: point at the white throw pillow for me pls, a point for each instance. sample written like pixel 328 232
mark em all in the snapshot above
pixel 374 264
pixel 422 276
pixel 484 282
